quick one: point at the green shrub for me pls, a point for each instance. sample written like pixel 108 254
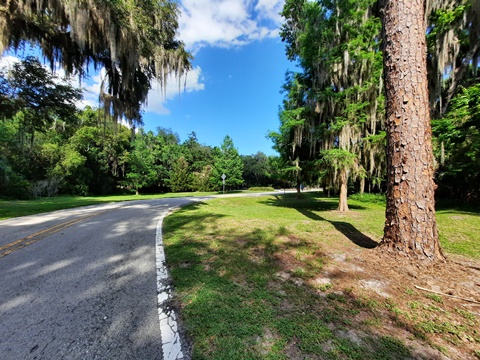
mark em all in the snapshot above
pixel 369 198
pixel 259 188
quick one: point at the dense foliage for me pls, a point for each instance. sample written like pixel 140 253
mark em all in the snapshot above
pixel 335 104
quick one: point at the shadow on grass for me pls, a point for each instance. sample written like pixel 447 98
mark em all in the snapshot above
pixel 246 295
pixel 185 219
pixel 456 206
pixel 310 204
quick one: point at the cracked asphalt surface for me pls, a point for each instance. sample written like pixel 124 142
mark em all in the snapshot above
pixel 83 289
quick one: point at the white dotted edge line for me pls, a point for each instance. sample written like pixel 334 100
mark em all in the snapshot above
pixel 171 342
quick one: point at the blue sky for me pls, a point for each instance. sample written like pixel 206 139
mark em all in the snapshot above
pixel 240 97
pixel 234 86
pixel 238 70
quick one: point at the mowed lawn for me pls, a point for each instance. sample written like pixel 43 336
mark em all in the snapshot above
pixel 276 277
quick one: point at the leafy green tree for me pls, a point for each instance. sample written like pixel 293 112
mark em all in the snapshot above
pixel 203 180
pixel 141 161
pixel 40 96
pixel 256 170
pixel 294 139
pixel 228 162
pixel 453 50
pixel 166 150
pixel 337 100
pixel 458 146
pixel 337 165
pixel 181 176
pixel 196 154
pixel 200 160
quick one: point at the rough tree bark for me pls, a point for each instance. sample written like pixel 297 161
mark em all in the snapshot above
pixel 342 200
pixel 410 226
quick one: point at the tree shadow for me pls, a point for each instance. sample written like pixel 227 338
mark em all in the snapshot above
pixel 307 209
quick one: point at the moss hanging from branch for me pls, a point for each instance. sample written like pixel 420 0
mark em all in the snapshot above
pixel 133 40
pixel 453 38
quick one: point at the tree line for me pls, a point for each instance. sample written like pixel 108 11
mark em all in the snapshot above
pixel 49 147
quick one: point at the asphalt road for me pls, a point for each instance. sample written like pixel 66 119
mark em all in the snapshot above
pixel 81 283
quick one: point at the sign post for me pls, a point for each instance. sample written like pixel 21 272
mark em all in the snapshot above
pixel 223 181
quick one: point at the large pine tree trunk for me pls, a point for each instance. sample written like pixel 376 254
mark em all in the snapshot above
pixel 410 226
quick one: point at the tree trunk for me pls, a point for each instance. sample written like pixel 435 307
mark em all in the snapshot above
pixel 297 187
pixel 342 201
pixel 410 226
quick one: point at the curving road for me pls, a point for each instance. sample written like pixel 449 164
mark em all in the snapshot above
pixel 88 283
pixel 81 283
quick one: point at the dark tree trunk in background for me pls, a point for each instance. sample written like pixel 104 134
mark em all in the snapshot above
pixel 410 227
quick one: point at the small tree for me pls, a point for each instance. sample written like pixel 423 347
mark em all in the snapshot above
pixel 141 161
pixel 256 169
pixel 339 163
pixel 228 162
pixel 202 181
pixel 180 176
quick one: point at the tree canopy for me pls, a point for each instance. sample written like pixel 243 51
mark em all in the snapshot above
pixel 228 162
pixel 337 99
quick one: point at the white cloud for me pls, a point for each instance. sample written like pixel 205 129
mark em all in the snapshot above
pixel 91 90
pixel 157 96
pixel 270 9
pixel 228 23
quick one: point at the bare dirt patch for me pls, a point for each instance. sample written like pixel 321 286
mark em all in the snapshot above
pixel 433 307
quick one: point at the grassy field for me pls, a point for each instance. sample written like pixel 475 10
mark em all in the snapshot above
pixel 276 277
pixel 273 278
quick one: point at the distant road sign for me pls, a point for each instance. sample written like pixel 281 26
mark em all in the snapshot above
pixel 224 176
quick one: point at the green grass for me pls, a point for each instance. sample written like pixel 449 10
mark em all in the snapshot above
pixel 243 268
pixel 459 231
pixel 259 188
pixel 244 271
pixel 14 208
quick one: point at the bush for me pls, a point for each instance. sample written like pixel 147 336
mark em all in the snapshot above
pixel 369 198
pixel 13 185
pixel 258 188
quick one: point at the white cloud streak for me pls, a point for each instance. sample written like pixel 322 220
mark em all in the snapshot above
pixel 157 96
pixel 228 23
